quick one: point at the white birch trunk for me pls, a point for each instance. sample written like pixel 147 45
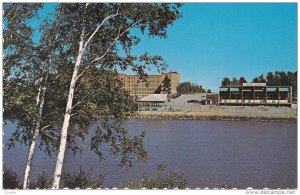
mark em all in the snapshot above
pixel 40 101
pixel 67 116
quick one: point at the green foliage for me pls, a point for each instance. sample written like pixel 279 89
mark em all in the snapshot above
pixel 272 79
pixel 150 18
pixel 10 179
pixel 277 78
pixel 99 96
pixel 280 78
pixel 242 80
pixel 17 36
pixel 170 180
pixel 230 186
pixel 234 81
pixel 284 79
pixel 87 179
pixel 82 180
pixel 43 182
pixel 189 88
pixel 226 81
pixel 260 79
pixel 166 85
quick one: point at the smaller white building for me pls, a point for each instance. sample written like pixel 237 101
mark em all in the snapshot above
pixel 154 102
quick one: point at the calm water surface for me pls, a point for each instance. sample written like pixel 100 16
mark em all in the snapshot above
pixel 209 153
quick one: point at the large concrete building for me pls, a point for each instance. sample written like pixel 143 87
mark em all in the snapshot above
pixel 255 94
pixel 154 84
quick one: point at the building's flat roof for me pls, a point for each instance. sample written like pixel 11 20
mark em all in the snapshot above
pixel 155 98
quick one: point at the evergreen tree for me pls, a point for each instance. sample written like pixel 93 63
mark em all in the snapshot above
pixel 242 80
pixel 166 85
pixel 234 81
pixel 226 81
pixel 189 88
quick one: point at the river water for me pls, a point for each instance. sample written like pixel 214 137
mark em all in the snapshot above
pixel 209 153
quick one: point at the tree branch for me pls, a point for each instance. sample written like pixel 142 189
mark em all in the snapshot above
pixel 6 15
pixel 117 37
pixel 47 135
pixel 82 72
pixel 96 30
pixel 44 128
pixel 85 97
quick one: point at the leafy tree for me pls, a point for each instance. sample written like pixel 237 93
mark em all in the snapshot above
pixel 17 34
pixel 110 105
pixel 242 80
pixel 226 81
pixel 188 88
pixel 109 24
pixel 20 71
pixel 47 55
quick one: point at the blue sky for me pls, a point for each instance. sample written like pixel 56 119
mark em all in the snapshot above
pixel 214 40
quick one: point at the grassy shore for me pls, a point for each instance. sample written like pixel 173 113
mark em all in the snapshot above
pixel 286 116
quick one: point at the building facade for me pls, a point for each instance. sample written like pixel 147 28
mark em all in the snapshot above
pixel 154 84
pixel 255 94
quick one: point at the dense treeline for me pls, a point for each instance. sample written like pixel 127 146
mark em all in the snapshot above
pixel 188 88
pixel 277 78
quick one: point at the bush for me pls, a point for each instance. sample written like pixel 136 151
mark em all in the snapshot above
pixel 230 186
pixel 171 180
pixel 10 179
pixel 43 182
pixel 82 180
pixel 85 180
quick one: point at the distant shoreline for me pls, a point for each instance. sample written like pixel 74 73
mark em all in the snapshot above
pixel 210 116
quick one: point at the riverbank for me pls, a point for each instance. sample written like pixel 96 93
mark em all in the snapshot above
pixel 171 115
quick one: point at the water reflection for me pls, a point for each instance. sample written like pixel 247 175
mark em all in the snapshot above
pixel 209 153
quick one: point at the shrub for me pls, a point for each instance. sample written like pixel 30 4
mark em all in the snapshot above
pixel 82 180
pixel 43 182
pixel 10 179
pixel 171 180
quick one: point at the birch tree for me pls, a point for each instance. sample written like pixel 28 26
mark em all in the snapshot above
pixel 25 66
pixel 97 30
pixel 16 61
pixel 16 34
pixel 46 59
pixel 26 71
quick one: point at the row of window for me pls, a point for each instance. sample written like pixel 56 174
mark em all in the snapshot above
pixel 141 86
pixel 150 82
pixel 270 96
